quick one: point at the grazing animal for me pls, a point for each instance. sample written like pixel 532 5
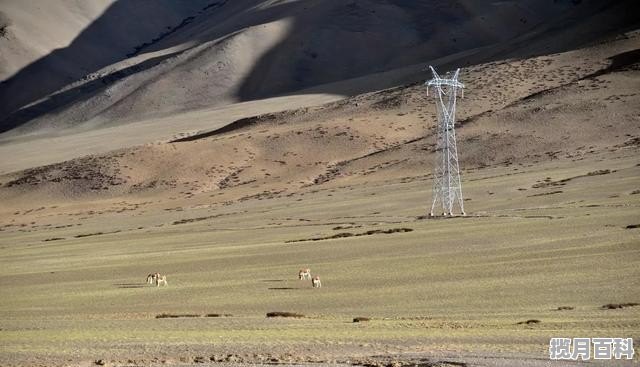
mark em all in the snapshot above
pixel 304 274
pixel 161 279
pixel 315 282
pixel 151 278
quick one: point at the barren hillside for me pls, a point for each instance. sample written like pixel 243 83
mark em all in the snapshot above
pixel 515 112
pixel 214 53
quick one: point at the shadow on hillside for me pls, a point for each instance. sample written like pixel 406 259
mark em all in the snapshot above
pixel 85 54
pixel 309 56
pixel 42 72
pixel 314 58
pixel 77 94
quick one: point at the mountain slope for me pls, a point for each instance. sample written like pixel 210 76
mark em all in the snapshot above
pixel 509 116
pixel 234 51
pixel 47 45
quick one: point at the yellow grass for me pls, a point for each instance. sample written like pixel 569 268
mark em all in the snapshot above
pixel 458 284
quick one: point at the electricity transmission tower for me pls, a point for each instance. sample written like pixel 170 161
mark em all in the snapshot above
pixel 447 187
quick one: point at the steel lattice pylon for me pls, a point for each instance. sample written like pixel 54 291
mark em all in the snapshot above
pixel 447 187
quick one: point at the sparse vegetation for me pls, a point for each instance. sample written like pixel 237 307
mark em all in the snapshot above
pixel 599 172
pixel 88 234
pixel 615 306
pixel 5 22
pixel 565 308
pixel 175 316
pixel 361 319
pixel 190 315
pixel 548 182
pixel 546 193
pixel 348 234
pixel 285 314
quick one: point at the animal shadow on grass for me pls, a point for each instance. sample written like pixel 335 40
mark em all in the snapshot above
pixel 272 280
pixel 129 285
pixel 282 288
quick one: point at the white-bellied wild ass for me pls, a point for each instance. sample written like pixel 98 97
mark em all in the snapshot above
pixel 161 279
pixel 304 274
pixel 151 278
pixel 315 282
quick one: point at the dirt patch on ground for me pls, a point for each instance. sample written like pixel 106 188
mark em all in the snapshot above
pixel 190 315
pixel 175 316
pixel 361 319
pixel 549 183
pixel 565 308
pixel 614 306
pixel 285 314
pixel 349 234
